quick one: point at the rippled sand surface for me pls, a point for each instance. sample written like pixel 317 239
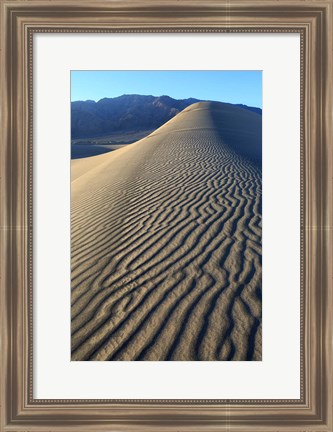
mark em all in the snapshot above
pixel 166 243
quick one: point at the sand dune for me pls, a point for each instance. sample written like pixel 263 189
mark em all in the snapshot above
pixel 166 242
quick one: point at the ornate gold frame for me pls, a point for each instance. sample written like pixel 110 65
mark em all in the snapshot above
pixel 313 20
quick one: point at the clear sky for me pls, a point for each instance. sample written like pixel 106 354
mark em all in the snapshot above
pixel 243 87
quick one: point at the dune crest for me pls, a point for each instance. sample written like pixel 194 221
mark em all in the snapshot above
pixel 166 242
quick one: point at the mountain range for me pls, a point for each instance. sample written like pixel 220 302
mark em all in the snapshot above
pixel 127 114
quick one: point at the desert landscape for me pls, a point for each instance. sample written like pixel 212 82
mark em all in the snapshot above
pixel 166 236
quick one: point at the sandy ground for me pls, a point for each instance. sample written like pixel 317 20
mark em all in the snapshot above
pixel 79 151
pixel 166 243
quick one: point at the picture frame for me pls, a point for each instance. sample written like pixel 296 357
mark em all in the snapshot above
pixel 21 20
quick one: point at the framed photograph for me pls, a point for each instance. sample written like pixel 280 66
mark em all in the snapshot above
pixel 172 269
pixel 166 215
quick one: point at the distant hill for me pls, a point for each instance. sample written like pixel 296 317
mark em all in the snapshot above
pixel 125 114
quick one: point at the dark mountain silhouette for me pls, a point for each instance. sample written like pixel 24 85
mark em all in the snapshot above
pixel 127 113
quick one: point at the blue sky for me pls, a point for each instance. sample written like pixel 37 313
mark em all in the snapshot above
pixel 225 86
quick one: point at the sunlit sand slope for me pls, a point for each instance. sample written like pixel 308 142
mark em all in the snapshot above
pixel 166 243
